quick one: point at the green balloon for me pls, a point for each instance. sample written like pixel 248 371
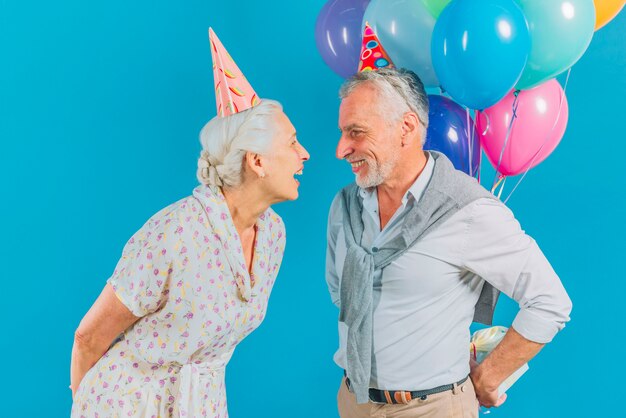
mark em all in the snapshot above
pixel 560 32
pixel 435 7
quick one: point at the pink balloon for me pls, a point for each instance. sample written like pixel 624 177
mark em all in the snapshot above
pixel 542 114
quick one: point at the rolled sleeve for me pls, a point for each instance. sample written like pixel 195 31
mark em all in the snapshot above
pixel 536 328
pixel 500 252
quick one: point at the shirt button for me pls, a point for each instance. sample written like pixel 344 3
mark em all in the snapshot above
pixel 374 249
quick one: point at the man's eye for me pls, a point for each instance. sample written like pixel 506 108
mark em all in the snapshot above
pixel 355 133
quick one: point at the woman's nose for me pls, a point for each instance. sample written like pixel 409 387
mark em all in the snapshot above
pixel 304 154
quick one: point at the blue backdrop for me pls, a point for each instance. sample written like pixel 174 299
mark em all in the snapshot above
pixel 101 106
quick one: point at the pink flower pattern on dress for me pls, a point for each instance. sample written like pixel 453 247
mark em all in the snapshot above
pixel 184 274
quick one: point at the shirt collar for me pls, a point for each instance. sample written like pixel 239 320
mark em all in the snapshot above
pixel 370 195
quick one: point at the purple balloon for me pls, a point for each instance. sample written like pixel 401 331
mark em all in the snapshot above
pixel 448 133
pixel 338 34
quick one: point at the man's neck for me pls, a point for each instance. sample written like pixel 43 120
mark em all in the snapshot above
pixel 392 191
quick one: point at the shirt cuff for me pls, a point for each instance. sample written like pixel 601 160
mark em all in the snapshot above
pixel 536 328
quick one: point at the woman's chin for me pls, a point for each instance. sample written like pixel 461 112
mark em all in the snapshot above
pixel 283 196
pixel 293 195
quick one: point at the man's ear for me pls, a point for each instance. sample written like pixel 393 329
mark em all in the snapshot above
pixel 410 127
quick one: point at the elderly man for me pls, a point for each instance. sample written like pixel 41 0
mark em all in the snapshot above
pixel 416 251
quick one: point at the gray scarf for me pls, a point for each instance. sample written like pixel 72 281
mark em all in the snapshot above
pixel 447 191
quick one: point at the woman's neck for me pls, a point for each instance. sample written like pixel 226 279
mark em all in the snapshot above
pixel 245 204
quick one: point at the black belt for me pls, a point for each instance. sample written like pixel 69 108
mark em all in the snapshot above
pixel 405 396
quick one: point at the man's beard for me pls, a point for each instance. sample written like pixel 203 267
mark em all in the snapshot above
pixel 376 173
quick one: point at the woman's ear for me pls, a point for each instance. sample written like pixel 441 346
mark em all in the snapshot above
pixel 256 163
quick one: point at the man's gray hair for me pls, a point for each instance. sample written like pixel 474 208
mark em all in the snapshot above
pixel 226 140
pixel 399 91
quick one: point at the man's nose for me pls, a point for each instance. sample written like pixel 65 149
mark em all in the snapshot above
pixel 343 148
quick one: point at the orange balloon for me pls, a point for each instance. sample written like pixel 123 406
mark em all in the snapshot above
pixel 606 10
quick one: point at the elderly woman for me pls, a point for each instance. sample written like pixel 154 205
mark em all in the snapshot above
pixel 194 280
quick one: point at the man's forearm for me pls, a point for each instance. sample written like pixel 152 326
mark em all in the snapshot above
pixel 508 356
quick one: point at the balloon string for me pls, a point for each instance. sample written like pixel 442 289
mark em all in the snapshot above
pixel 488 123
pixel 473 140
pixel 558 116
pixel 501 180
pixel 477 163
pixel 470 136
pixel 508 133
pixel 480 160
pixel 502 187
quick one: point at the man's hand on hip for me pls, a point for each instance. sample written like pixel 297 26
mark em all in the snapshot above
pixel 487 395
pixel 513 351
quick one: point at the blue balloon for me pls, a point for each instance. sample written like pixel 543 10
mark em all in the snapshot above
pixel 405 29
pixel 338 34
pixel 448 133
pixel 479 50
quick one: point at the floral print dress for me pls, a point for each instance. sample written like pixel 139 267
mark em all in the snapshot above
pixel 184 274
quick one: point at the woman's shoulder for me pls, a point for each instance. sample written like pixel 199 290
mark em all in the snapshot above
pixel 172 218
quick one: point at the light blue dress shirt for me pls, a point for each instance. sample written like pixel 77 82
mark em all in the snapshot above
pixel 424 300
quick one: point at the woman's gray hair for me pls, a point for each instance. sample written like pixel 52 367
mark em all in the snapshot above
pixel 399 91
pixel 226 140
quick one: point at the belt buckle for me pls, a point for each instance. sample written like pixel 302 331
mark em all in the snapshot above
pixel 401 397
pixel 393 397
